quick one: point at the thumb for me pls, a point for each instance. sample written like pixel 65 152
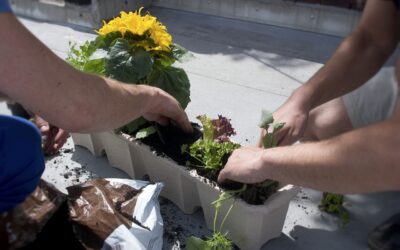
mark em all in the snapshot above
pixel 222 176
pixel 44 129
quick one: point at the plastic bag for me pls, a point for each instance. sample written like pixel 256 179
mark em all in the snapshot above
pixel 100 214
pixel 116 214
pixel 22 224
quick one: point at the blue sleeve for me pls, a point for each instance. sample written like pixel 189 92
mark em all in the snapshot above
pixel 21 160
pixel 4 6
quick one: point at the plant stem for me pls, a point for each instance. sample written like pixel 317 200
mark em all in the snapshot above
pixel 215 218
pixel 226 216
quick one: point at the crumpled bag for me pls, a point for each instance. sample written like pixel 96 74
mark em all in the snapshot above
pixel 116 214
pixel 100 214
pixel 21 225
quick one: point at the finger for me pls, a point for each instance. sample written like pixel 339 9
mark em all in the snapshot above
pixel 161 120
pixel 45 128
pixel 184 123
pixel 60 140
pixel 57 146
pixel 48 143
pixel 282 135
pixel 181 119
pixel 61 135
pixel 222 177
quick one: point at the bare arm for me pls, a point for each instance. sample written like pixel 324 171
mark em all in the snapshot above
pixel 33 76
pixel 364 160
pixel 356 60
pixel 359 56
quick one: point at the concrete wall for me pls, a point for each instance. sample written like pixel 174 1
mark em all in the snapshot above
pixel 285 13
pixel 309 15
pixel 75 13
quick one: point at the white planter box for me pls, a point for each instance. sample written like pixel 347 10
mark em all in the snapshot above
pixel 249 226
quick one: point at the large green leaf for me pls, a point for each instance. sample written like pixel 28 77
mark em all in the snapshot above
pixel 105 42
pixel 127 63
pixel 180 54
pixel 172 80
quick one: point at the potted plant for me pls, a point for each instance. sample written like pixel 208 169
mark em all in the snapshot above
pixel 137 49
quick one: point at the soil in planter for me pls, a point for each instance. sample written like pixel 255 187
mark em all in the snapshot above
pixel 253 195
pixel 173 138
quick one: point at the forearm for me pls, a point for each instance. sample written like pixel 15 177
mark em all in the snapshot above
pixel 355 61
pixel 364 160
pixel 47 86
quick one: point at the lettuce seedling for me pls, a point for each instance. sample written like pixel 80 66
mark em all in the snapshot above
pixel 267 121
pixel 215 146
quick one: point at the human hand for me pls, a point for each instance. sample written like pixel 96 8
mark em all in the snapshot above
pixel 164 107
pixel 245 165
pixel 294 115
pixel 54 137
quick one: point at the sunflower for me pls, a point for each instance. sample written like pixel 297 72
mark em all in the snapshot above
pixel 146 26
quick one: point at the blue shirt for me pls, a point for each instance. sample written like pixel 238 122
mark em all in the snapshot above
pixel 4 6
pixel 21 160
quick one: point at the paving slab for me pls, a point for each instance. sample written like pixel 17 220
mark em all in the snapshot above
pixel 238 69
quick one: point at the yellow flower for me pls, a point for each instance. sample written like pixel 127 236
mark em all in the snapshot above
pixel 137 24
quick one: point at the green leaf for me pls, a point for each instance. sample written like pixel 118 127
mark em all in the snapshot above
pixel 180 54
pixel 269 141
pixel 132 127
pixel 219 241
pixel 172 80
pixel 127 63
pixel 208 128
pixel 106 41
pixel 211 153
pixel 266 119
pixel 95 66
pixel 277 126
pixel 194 243
pixel 143 133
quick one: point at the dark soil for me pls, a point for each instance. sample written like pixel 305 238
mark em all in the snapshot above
pixel 174 138
pixel 253 195
pixel 57 233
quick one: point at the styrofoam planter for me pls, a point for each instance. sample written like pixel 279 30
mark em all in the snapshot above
pixel 92 142
pixel 115 146
pixel 179 188
pixel 249 226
